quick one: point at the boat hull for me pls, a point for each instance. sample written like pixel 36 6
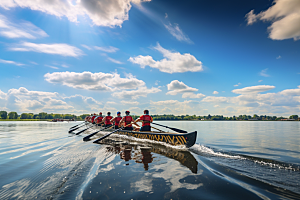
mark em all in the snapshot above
pixel 186 139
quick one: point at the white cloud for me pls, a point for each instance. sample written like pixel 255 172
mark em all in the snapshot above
pixel 173 62
pixel 260 81
pixel 278 57
pixel 291 92
pixel 94 81
pixel 285 17
pixel 176 87
pixel 214 99
pixel 65 66
pixel 264 73
pixel 50 66
pixel 102 13
pixel 177 33
pixel 237 85
pixel 253 89
pixel 87 47
pixel 134 94
pixel 192 95
pixel 130 102
pixel 109 49
pixel 215 92
pixel 22 29
pixel 57 49
pixel 174 107
pixel 114 60
pixel 10 62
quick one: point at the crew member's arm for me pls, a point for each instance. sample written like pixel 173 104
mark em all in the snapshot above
pixel 122 121
pixel 137 120
pixel 103 120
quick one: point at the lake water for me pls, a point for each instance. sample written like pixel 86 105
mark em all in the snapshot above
pixel 230 160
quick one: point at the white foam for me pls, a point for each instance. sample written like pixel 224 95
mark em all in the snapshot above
pixel 203 149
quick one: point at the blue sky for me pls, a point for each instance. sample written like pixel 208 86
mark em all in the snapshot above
pixel 171 57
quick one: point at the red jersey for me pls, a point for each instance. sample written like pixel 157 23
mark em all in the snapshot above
pixel 93 118
pixel 99 119
pixel 107 120
pixel 117 120
pixel 128 120
pixel 146 119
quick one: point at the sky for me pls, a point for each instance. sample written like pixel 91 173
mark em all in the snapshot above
pixel 217 57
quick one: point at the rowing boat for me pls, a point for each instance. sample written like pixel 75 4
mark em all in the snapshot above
pixel 186 139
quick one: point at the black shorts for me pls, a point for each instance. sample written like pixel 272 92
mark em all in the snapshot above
pixel 128 128
pixel 145 128
pixel 116 127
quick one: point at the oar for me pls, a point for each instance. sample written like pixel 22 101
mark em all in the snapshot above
pixel 86 138
pixel 174 129
pixel 76 128
pixel 158 129
pixel 83 130
pixel 76 125
pixel 105 136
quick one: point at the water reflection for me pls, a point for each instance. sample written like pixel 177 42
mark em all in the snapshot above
pixel 144 153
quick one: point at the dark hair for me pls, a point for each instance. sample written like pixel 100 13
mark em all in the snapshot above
pixel 146 111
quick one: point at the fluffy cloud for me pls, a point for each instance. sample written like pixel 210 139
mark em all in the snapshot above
pixel 176 87
pixel 173 62
pixel 215 92
pixel 23 100
pixel 10 62
pixel 135 94
pixel 19 30
pixel 291 92
pixel 192 95
pixel 177 33
pixel 285 17
pixel 213 99
pixel 253 89
pixel 57 49
pixel 130 102
pixel 174 107
pixel 94 81
pixel 102 13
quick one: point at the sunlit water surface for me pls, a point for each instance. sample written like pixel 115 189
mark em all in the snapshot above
pixel 230 160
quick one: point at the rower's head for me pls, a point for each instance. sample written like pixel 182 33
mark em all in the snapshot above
pixel 108 113
pixel 127 112
pixel 100 113
pixel 146 112
pixel 118 113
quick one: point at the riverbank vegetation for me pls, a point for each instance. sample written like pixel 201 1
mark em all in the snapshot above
pixel 13 116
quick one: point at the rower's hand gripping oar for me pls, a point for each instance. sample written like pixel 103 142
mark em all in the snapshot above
pixel 86 138
pixel 105 136
pixel 77 125
pixel 174 129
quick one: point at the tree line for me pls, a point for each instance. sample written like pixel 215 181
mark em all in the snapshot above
pixel 45 116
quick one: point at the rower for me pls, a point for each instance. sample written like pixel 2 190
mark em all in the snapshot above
pixel 93 118
pixel 99 119
pixel 106 120
pixel 117 120
pixel 146 120
pixel 127 119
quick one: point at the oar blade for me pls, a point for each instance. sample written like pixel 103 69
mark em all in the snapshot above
pixel 82 131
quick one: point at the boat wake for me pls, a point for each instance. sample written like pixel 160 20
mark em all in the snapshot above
pixel 279 174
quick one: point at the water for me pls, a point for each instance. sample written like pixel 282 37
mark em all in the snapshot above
pixel 230 160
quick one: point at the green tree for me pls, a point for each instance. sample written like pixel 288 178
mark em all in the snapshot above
pixel 13 115
pixel 3 114
pixel 43 115
pixel 295 117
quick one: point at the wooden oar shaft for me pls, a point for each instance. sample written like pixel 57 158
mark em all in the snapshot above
pixel 92 134
pixel 105 136
pixel 76 125
pixel 174 129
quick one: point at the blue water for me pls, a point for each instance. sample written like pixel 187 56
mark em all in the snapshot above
pixel 230 160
